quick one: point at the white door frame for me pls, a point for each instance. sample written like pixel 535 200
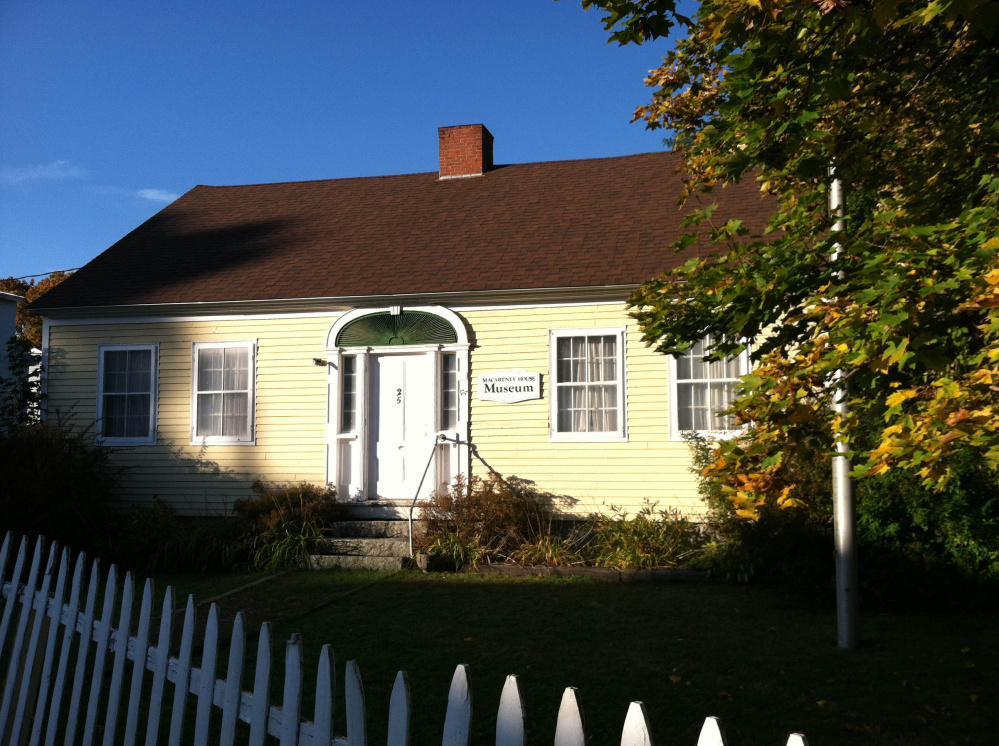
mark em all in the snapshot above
pixel 347 454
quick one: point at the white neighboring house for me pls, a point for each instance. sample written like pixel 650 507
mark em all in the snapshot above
pixel 8 327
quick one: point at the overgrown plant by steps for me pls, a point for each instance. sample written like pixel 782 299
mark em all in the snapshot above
pixel 484 520
pixel 277 529
pixel 509 520
pixel 286 523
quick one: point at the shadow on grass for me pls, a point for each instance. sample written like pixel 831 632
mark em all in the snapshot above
pixel 763 661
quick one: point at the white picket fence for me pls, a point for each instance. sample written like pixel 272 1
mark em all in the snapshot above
pixel 38 675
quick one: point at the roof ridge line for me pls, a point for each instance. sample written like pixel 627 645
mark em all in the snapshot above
pixel 495 167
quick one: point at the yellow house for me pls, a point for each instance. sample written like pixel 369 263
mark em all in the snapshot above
pixel 387 334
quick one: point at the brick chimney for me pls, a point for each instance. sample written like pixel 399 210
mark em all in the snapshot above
pixel 466 150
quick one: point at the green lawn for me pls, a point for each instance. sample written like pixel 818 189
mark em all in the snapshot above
pixel 765 662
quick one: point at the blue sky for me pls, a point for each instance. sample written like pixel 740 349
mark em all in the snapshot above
pixel 109 110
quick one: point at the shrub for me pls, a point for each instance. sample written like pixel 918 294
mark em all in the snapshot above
pixel 782 545
pixel 276 529
pixel 652 538
pixel 491 519
pixel 288 544
pixel 450 552
pixel 153 539
pixel 552 550
pixel 916 545
pixel 484 519
pixel 915 541
pixel 792 544
pixel 55 481
pixel 284 524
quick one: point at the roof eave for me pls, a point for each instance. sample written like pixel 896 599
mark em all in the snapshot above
pixel 337 304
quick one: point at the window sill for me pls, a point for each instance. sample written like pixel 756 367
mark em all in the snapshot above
pixel 587 438
pixel 678 437
pixel 221 442
pixel 111 442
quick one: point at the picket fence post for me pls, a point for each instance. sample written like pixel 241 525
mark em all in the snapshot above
pixel 510 717
pixel 399 711
pixel 161 663
pixel 36 617
pixel 234 675
pixel 39 632
pixel 356 714
pixel 261 687
pixel 50 646
pixel 291 703
pixel 15 653
pixel 138 671
pixel 569 728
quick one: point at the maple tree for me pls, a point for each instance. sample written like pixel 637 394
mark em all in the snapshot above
pixel 901 98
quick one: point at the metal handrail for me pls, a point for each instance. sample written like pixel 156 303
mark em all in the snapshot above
pixel 442 438
pixel 437 441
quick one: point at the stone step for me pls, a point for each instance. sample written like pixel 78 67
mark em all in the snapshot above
pixel 373 529
pixel 355 562
pixel 359 547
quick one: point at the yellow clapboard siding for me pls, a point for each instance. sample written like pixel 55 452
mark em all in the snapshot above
pixel 514 438
pixel 291 404
pixel 290 407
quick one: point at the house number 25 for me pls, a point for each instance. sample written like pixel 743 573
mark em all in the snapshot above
pixel 398 396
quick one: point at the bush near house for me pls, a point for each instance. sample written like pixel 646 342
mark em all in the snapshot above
pixel 54 481
pixel 277 529
pixel 284 525
pixel 918 542
pixel 915 543
pixel 501 519
pixel 57 482
pixel 652 538
pixel 153 539
pixel 480 520
pixel 781 544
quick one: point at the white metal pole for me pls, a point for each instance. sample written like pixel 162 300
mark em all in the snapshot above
pixel 844 519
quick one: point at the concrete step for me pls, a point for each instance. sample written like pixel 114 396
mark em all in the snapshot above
pixel 354 562
pixel 361 547
pixel 374 529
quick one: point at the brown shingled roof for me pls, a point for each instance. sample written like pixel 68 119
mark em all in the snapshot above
pixel 596 222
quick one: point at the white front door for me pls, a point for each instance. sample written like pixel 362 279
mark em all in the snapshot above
pixel 401 434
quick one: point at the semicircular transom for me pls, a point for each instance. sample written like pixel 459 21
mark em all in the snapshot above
pixel 406 328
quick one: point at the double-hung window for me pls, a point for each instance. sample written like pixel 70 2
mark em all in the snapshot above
pixel 587 384
pixel 702 388
pixel 126 394
pixel 223 393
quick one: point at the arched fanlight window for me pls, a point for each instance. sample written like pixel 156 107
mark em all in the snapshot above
pixel 406 328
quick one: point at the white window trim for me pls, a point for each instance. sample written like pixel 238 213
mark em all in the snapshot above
pixel 675 434
pixel 150 439
pixel 621 434
pixel 211 440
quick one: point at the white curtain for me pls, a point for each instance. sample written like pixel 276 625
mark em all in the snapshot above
pixel 590 363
